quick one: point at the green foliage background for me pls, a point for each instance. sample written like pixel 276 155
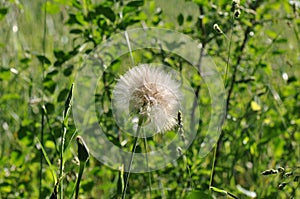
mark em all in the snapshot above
pixel 43 43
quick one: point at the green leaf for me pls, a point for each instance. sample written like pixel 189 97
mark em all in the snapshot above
pixel 52 8
pixel 3 12
pixel 107 12
pixel 37 141
pixel 180 19
pixel 76 31
pixel 50 144
pixel 4 74
pixel 5 188
pixel 68 105
pixel 62 95
pixel 9 96
pixel 219 190
pixel 43 59
pixel 50 108
pixel 52 73
pixel 196 194
pixel 68 71
pixel 135 4
pixel 59 54
pixel 49 85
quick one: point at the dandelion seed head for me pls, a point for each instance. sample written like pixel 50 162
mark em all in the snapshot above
pixel 150 94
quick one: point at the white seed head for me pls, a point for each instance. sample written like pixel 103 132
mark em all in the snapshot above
pixel 150 94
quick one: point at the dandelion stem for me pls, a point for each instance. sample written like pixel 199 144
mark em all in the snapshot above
pixel 131 160
pixel 149 176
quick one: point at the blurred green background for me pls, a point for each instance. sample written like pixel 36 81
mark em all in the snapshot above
pixel 255 49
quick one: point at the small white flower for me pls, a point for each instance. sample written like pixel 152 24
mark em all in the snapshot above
pixel 149 94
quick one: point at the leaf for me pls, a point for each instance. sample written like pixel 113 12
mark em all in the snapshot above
pixel 49 85
pixel 37 141
pixel 76 31
pixel 219 190
pixel 4 74
pixel 10 96
pixel 68 71
pixel 52 8
pixel 83 151
pixel 107 12
pixel 198 194
pixel 292 79
pixel 50 108
pixel 135 4
pixel 62 95
pixel 52 73
pixel 50 144
pixel 5 188
pixel 3 12
pixel 59 54
pixel 223 192
pixel 180 19
pixel 255 106
pixel 43 59
pixel 68 105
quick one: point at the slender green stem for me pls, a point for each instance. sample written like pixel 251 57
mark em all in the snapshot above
pixel 41 154
pixel 43 113
pixel 225 78
pixel 61 169
pixel 131 160
pixel 229 49
pixel 213 166
pixel 81 168
pixel 147 160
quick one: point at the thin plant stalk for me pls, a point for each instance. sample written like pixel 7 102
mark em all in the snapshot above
pixel 81 168
pixel 68 105
pixel 83 156
pixel 61 169
pixel 147 160
pixel 213 166
pixel 43 113
pixel 131 160
pixel 225 78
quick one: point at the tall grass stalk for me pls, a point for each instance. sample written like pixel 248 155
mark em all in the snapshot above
pixel 66 113
pixel 216 147
pixel 42 101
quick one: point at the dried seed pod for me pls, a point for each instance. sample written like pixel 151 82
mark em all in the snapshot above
pixel 280 169
pixel 179 150
pixel 217 28
pixel 233 5
pixel 288 174
pixel 282 185
pixel 180 126
pixel 237 13
pixel 269 172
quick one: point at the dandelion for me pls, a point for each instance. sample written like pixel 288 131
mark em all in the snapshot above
pixel 150 95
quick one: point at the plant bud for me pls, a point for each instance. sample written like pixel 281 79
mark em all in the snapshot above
pixel 217 28
pixel 83 151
